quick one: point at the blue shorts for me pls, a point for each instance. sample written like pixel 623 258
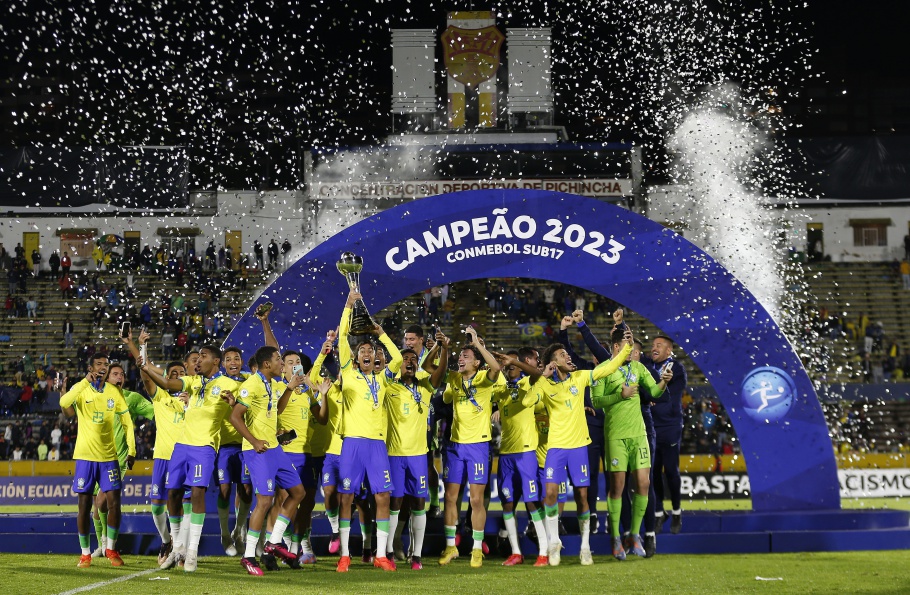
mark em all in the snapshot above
pixel 159 478
pixel 301 462
pixel 313 470
pixel 518 475
pixel 364 461
pixel 229 465
pixel 88 473
pixel 467 462
pixel 562 492
pixel 190 466
pixel 270 470
pixel 409 476
pixel 330 472
pixel 568 461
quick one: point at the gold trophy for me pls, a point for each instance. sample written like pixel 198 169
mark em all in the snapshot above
pixel 350 266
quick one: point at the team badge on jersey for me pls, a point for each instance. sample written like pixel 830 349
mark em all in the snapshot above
pixel 81 482
pixel 346 483
pixel 216 390
pixel 221 474
pixel 244 392
pixel 110 403
pixel 154 489
pixel 325 478
pixel 573 390
pixel 270 484
pixel 615 462
pixel 506 492
pixel 549 472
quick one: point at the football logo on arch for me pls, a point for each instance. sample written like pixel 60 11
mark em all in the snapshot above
pixel 768 393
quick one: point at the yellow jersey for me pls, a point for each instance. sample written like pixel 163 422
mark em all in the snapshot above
pixel 260 397
pixel 472 406
pixel 565 402
pixel 516 415
pixel 542 422
pixel 408 407
pixel 296 416
pixel 96 411
pixel 335 407
pixel 364 394
pixel 169 414
pixel 206 411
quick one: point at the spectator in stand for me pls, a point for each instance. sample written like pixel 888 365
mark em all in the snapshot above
pixel 257 250
pixel 10 307
pixel 66 286
pixel 17 453
pixel 25 399
pixel 65 263
pixel 181 344
pixel 36 263
pixel 167 343
pixel 54 454
pixel 905 273
pixel 68 328
pixel 56 436
pixel 98 256
pixel 32 307
pixel 285 254
pixel 210 263
pixel 273 255
pixel 54 263
pixel 12 277
pixel 42 451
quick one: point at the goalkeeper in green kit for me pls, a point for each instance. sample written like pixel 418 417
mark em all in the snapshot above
pixel 626 440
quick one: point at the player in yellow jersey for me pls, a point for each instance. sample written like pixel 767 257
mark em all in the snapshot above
pixel 169 414
pixel 229 469
pixel 562 392
pixel 409 414
pixel 334 401
pixel 470 390
pixel 517 460
pixel 261 400
pixel 364 456
pixel 193 460
pixel 96 404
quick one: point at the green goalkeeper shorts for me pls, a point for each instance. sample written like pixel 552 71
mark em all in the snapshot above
pixel 628 454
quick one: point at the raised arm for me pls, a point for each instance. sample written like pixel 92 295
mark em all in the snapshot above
pixel 394 364
pixel 344 329
pixel 438 375
pixel 563 337
pixel 591 342
pixel 270 339
pixel 608 367
pixel 494 370
pixel 320 409
pixel 169 384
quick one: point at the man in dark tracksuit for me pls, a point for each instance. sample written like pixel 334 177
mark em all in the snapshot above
pixel 668 421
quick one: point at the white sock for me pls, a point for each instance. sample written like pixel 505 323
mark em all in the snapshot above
pixel 418 530
pixel 281 523
pixel 542 542
pixel 585 526
pixel 552 529
pixel 161 525
pixel 294 547
pixel 677 512
pixel 333 522
pixel 512 530
pixel 252 540
pixel 185 534
pixel 110 544
pixel 345 536
pixel 393 526
pixel 305 546
pixel 243 511
pixel 195 534
pixel 177 532
pixel 382 542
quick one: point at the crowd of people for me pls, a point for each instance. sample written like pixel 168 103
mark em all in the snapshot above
pixel 377 452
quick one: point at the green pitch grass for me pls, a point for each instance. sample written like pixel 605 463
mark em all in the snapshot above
pixel 854 572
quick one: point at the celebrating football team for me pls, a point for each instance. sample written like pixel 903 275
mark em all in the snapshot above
pixel 360 425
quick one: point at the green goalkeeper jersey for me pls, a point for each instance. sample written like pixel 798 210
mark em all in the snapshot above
pixel 138 406
pixel 623 416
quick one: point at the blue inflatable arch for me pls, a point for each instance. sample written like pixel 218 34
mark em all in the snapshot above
pixel 604 249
